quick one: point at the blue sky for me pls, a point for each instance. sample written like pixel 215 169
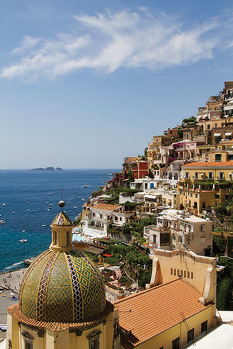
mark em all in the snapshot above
pixel 84 84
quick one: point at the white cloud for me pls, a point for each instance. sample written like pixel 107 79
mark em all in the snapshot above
pixel 111 41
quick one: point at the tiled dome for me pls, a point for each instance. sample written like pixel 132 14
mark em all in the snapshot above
pixel 62 287
pixel 62 284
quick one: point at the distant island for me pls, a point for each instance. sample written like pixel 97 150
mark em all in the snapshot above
pixel 47 169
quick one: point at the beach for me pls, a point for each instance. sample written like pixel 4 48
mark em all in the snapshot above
pixel 9 288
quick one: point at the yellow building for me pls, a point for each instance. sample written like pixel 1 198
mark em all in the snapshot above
pixel 205 184
pixel 177 310
pixel 62 300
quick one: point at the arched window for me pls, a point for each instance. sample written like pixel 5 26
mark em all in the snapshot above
pixel 173 236
pixel 55 238
pixel 180 239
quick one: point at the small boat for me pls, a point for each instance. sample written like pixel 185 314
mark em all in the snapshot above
pixel 28 209
pixel 83 199
pixel 46 202
pixel 28 202
pixel 2 221
pixel 23 231
pixel 48 209
pixel 13 212
pixel 85 186
pixel 75 207
pixel 68 202
pixel 43 225
pixel 23 240
pixel 14 226
pixel 74 196
pixel 50 194
pixel 3 204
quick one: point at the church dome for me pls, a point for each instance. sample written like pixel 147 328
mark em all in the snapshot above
pixel 62 284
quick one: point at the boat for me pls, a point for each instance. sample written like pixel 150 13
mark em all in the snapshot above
pixel 2 221
pixel 74 195
pixel 75 207
pixel 13 212
pixel 23 231
pixel 85 186
pixel 43 225
pixel 50 194
pixel 83 199
pixel 23 240
pixel 28 202
pixel 3 204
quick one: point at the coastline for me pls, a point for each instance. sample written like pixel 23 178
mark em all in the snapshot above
pixel 9 292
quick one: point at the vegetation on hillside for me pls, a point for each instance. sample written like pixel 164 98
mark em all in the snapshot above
pixel 225 285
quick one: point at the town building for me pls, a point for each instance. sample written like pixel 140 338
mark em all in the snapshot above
pixel 178 307
pixel 204 185
pixel 100 216
pixel 180 230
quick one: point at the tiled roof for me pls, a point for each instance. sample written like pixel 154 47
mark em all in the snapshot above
pixel 153 311
pixel 106 207
pixel 209 164
pixel 62 220
pixel 58 326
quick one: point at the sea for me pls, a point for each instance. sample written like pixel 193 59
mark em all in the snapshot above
pixel 29 203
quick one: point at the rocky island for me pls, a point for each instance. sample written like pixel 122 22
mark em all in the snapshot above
pixel 47 169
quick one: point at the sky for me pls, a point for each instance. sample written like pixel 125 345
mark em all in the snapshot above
pixel 84 84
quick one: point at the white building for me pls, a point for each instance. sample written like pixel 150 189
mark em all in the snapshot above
pixel 180 230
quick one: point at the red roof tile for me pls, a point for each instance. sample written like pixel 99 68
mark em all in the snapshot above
pixel 153 311
pixel 106 207
pixel 209 164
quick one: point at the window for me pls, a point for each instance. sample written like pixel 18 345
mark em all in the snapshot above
pixel 173 236
pixel 101 216
pixel 202 227
pixel 211 175
pixel 204 326
pixel 176 343
pixel 171 271
pixel 189 203
pixel 186 174
pixel 67 238
pixel 93 339
pixel 185 273
pixel 208 127
pixel 55 238
pixel 202 240
pixel 196 175
pixel 191 275
pixel 190 335
pixel 28 345
pixel 196 196
pixel 180 239
pixel 191 194
pixel 154 239
pixel 221 175
pixel 218 157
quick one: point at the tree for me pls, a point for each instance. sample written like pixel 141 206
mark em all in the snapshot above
pixel 189 120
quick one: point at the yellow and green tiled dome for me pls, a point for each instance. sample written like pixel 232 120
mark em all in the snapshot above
pixel 62 284
pixel 62 287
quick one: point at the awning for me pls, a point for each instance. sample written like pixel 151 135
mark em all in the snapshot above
pixel 217 134
pixel 228 134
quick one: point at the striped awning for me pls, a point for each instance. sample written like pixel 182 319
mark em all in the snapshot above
pixel 217 134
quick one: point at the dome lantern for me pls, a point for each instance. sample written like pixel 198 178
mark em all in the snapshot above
pixel 61 231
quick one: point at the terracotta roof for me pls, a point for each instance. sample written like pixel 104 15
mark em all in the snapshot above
pixel 106 207
pixel 58 326
pixel 153 311
pixel 209 164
